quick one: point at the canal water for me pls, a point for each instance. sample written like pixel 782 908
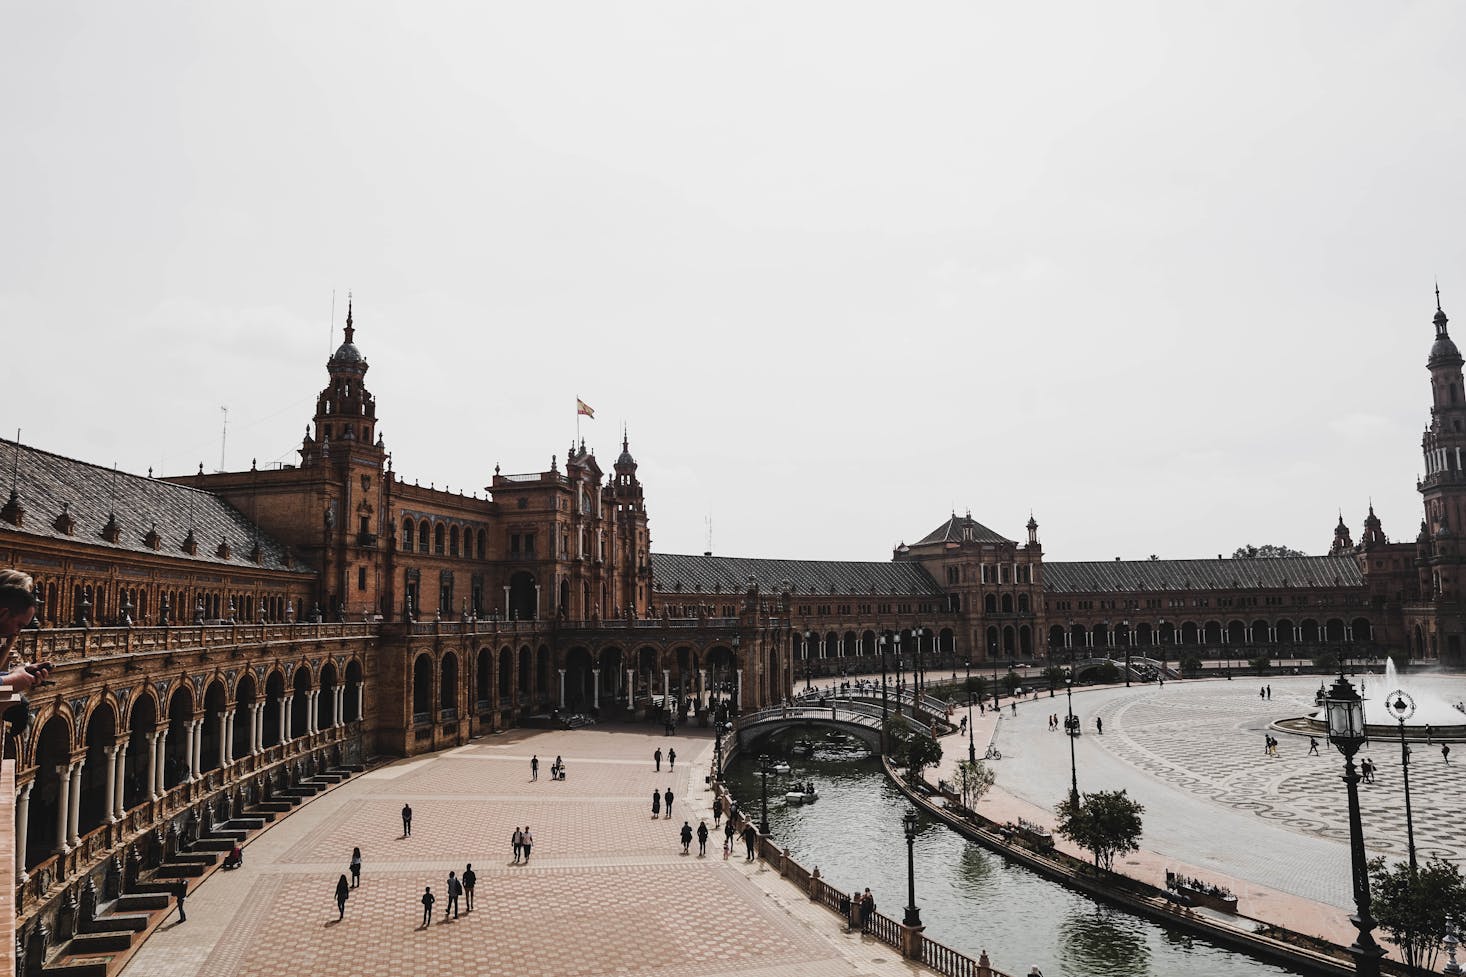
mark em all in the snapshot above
pixel 970 898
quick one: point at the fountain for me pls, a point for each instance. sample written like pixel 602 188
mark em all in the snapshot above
pixel 1444 719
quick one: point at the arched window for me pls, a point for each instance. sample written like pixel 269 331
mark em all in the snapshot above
pixel 407 530
pixel 453 542
pixel 483 545
pixel 438 539
pixel 423 536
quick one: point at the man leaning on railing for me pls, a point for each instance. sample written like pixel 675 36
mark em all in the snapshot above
pixel 18 604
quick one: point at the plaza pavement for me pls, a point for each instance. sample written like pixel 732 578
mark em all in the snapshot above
pixel 1272 829
pixel 607 891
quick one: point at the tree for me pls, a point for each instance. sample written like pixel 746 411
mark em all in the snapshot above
pixel 977 686
pixel 1267 551
pixel 1054 675
pixel 1326 661
pixel 910 749
pixel 1190 665
pixel 1414 908
pixel 1106 823
pixel 1262 664
pixel 973 780
pixel 1011 681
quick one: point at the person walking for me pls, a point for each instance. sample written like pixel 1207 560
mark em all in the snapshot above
pixel 686 834
pixel 717 811
pixel 534 767
pixel 702 839
pixel 343 889
pixel 469 880
pixel 750 839
pixel 656 803
pixel 1312 746
pixel 657 758
pixel 355 867
pixel 528 843
pixel 427 906
pixel 455 889
pixel 1446 752
pixel 867 909
pixel 180 893
pixel 728 833
pixel 667 802
pixel 672 759
pixel 1099 725
pixel 407 820
pixel 518 845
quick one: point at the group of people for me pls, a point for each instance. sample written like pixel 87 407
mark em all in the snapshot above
pixel 456 888
pixel 671 758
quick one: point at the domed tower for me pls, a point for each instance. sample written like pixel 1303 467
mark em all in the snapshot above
pixel 1374 534
pixel 633 539
pixel 346 413
pixel 1443 490
pixel 1343 542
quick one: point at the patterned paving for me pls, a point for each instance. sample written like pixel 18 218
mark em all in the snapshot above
pixel 1212 746
pixel 608 890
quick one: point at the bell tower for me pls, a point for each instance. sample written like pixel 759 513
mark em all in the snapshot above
pixel 346 413
pixel 1442 558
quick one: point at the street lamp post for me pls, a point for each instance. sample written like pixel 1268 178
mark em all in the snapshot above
pixel 913 914
pixel 1402 707
pixel 971 743
pixel 917 633
pixel 896 650
pixel 1125 627
pixel 993 656
pixel 720 728
pixel 885 707
pixel 763 769
pixel 1071 726
pixel 1345 711
pixel 807 635
pixel 733 667
pixel 1160 640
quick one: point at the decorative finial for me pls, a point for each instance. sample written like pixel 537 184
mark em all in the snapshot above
pixel 350 330
pixel 1438 295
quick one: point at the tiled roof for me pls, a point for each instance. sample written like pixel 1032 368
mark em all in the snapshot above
pixel 952 531
pixel 48 482
pixel 729 575
pixel 1293 572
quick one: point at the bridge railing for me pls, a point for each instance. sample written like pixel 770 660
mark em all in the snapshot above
pixel 61 645
pixel 836 710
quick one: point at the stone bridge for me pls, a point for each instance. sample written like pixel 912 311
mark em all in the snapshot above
pixel 861 719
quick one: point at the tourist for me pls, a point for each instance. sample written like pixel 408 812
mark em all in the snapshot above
pixel 867 909
pixel 686 834
pixel 1099 725
pixel 528 843
pixel 427 906
pixel 1446 752
pixel 407 820
pixel 1366 769
pixel 1270 693
pixel 455 889
pixel 355 867
pixel 518 845
pixel 728 834
pixel 1312 746
pixel 18 603
pixel 1014 704
pixel 180 893
pixel 235 858
pixel 343 889
pixel 657 758
pixel 469 880
pixel 656 803
pixel 702 839
pixel 672 759
pixel 1429 734
pixel 717 810
pixel 534 767
pixel 1262 692
pixel 750 840
pixel 667 801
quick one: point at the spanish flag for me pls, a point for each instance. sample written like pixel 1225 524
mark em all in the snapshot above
pixel 581 407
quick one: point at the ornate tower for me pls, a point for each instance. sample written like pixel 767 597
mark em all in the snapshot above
pixel 1343 542
pixel 633 539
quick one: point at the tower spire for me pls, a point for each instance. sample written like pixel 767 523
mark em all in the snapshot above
pixel 350 329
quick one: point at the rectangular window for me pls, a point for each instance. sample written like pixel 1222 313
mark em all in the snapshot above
pixel 361 578
pixel 529 544
pixel 513 544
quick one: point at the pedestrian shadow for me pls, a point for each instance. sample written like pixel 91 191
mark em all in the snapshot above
pixel 333 922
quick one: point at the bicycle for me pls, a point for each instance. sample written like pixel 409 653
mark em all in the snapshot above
pixel 993 753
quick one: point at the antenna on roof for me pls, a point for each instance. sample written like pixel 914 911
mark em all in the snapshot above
pixel 223 438
pixel 710 537
pixel 331 325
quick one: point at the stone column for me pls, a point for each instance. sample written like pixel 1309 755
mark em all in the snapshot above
pixel 339 713
pixel 22 828
pixel 666 682
pixel 73 820
pixel 285 703
pixel 153 764
pixel 740 690
pixel 188 756
pixel 562 687
pixel 198 747
pixel 595 678
pixel 254 728
pixel 63 803
pixel 536 616
pixel 109 797
pixel 359 686
pixel 506 603
pixel 702 684
pixel 315 711
pixel 630 686
pixel 119 805
pixel 224 737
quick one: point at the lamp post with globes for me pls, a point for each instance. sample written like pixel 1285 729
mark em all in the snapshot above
pixel 971 743
pixel 1402 707
pixel 1071 727
pixel 763 769
pixel 885 706
pixel 1160 640
pixel 913 914
pixel 1125 629
pixel 917 633
pixel 896 650
pixel 807 635
pixel 1345 711
pixel 993 657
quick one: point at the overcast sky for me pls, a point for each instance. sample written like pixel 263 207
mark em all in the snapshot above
pixel 1158 272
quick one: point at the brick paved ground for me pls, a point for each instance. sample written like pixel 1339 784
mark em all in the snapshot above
pixel 607 892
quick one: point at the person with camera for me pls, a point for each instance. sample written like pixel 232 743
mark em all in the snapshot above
pixel 18 603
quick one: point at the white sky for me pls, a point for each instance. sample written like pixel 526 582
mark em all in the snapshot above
pixel 1159 272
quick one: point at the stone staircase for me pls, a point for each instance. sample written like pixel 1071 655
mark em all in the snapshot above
pixel 108 930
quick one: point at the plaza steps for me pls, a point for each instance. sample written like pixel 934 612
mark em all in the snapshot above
pixel 108 941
